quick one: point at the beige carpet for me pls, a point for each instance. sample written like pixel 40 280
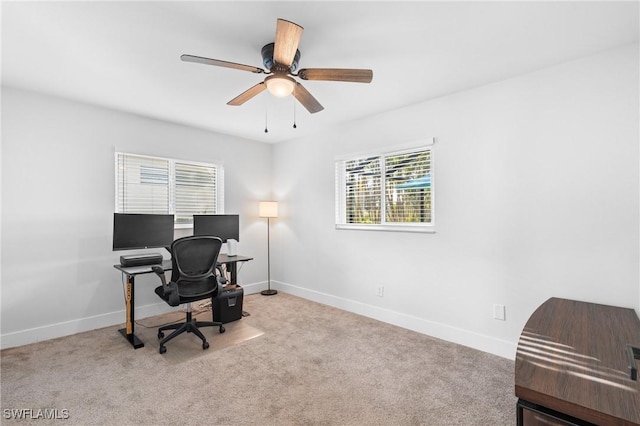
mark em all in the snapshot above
pixel 292 362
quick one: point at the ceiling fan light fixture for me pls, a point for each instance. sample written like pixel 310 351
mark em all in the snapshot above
pixel 280 85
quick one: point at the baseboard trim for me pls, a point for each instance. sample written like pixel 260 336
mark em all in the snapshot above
pixel 442 331
pixel 253 288
pixel 446 332
pixel 66 328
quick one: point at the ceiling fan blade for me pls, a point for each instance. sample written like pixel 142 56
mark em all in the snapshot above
pixel 306 99
pixel 219 63
pixel 337 74
pixel 288 37
pixel 247 94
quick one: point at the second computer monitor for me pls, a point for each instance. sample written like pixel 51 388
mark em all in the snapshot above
pixel 223 226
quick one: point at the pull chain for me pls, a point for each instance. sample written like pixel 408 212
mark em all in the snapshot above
pixel 266 130
pixel 294 114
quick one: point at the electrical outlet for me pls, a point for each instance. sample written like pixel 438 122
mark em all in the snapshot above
pixel 499 312
pixel 380 290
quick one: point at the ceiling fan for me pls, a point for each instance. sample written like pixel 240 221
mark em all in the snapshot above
pixel 281 61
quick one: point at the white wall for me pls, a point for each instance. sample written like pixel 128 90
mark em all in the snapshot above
pixel 58 204
pixel 536 196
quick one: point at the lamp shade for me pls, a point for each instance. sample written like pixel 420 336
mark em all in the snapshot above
pixel 280 85
pixel 268 209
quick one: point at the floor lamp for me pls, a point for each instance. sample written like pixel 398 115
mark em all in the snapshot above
pixel 268 209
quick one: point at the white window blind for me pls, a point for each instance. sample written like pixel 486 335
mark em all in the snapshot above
pixel 195 193
pixel 362 190
pixel 408 187
pixel 159 185
pixel 391 191
pixel 143 185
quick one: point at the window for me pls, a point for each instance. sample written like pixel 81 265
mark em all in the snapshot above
pixel 388 191
pixel 161 185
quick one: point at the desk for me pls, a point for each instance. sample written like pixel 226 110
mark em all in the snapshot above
pixel 230 262
pixel 571 367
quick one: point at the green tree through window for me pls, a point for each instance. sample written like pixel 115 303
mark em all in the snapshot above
pixel 408 187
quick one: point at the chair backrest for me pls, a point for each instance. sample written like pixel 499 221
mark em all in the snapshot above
pixel 194 261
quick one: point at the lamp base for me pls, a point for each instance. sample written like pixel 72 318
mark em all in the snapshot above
pixel 268 292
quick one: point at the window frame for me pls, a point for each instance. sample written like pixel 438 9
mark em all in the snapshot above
pixel 382 154
pixel 171 183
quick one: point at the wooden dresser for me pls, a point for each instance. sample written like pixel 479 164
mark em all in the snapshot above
pixel 573 365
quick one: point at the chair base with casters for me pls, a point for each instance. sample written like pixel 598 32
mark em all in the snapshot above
pixel 190 326
pixel 193 278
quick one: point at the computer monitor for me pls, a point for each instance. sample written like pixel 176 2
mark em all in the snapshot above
pixel 140 231
pixel 223 226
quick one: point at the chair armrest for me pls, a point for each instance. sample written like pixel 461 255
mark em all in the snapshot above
pixel 221 280
pixel 160 272
pixel 170 289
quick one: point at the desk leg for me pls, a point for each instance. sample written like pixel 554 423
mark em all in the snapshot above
pixel 127 332
pixel 233 271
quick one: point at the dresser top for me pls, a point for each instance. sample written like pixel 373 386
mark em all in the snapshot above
pixel 571 357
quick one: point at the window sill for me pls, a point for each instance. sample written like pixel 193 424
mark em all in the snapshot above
pixel 423 229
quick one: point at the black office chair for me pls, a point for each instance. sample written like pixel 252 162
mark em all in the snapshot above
pixel 193 278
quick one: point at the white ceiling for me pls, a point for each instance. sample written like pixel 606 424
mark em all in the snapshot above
pixel 126 55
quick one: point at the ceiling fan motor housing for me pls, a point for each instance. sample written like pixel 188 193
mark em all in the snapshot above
pixel 267 58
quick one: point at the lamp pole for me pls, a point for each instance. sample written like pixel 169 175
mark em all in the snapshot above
pixel 268 209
